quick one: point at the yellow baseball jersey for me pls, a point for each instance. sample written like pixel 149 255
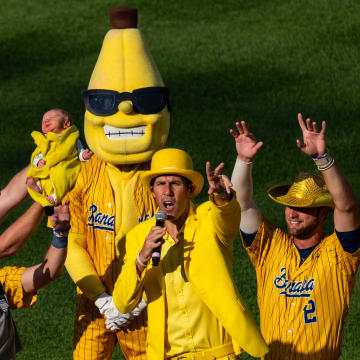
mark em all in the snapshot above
pixel 105 203
pixel 10 278
pixel 302 307
pixel 11 296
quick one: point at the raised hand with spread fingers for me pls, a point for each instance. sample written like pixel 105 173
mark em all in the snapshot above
pixel 313 143
pixel 245 142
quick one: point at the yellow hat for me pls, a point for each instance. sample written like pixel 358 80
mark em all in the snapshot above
pixel 307 190
pixel 173 162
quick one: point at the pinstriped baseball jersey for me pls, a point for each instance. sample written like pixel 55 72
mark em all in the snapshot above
pixel 103 213
pixel 10 278
pixel 105 203
pixel 11 296
pixel 302 307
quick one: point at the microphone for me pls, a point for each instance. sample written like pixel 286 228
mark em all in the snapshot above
pixel 160 217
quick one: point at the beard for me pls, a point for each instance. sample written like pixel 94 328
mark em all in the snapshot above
pixel 302 233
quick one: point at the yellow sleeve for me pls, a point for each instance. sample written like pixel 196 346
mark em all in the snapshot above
pixel 129 286
pixel 10 278
pixel 81 268
pixel 78 261
pixel 75 198
pixel 225 220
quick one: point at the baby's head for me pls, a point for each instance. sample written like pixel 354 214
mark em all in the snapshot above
pixel 55 120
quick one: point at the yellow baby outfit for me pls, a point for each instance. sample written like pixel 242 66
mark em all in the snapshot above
pixel 62 164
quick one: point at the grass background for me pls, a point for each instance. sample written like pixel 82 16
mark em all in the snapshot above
pixel 261 61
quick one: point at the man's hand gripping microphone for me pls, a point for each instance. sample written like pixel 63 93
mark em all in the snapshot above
pixel 160 217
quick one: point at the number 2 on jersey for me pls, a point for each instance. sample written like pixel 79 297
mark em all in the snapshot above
pixel 309 311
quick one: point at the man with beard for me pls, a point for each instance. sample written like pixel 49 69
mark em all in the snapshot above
pixel 305 279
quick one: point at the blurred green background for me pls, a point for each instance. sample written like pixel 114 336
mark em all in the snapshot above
pixel 259 61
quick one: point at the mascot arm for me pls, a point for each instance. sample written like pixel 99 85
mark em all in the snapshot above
pixel 81 268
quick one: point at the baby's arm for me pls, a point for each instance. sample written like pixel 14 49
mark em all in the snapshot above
pixel 84 154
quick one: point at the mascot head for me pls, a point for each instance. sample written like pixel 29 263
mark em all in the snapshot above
pixel 127 105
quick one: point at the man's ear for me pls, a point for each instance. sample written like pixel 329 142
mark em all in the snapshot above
pixel 191 189
pixel 325 211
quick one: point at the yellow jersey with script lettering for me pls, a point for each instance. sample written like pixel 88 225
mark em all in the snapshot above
pixel 302 306
pixel 106 202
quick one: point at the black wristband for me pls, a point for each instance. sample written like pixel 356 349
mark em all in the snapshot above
pixel 59 242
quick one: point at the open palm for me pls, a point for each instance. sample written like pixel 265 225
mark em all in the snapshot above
pixel 313 143
pixel 245 142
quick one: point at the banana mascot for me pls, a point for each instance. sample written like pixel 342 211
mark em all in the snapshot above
pixel 126 121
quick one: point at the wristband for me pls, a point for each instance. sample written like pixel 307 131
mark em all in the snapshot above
pixel 320 157
pixel 245 162
pixel 324 162
pixel 59 242
pixel 139 261
pixel 61 233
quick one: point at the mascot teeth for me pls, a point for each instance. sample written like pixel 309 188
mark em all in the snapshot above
pixel 115 133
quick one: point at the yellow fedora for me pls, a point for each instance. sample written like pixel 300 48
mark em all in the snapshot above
pixel 307 190
pixel 172 161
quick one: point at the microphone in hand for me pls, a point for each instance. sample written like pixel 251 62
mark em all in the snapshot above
pixel 160 218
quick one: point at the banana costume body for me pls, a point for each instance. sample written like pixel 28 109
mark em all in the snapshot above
pixel 107 200
pixel 62 167
pixel 98 225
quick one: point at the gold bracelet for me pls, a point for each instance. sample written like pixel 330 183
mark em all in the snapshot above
pixel 328 166
pixel 223 195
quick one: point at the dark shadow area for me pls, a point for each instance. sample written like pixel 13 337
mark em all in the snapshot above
pixel 280 350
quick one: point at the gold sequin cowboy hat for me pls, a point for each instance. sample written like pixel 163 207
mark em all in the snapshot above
pixel 172 161
pixel 307 190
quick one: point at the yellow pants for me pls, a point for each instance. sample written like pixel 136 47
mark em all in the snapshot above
pixel 92 341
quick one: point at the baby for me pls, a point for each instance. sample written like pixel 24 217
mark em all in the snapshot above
pixel 55 162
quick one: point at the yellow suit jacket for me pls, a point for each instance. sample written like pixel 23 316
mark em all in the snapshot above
pixel 208 234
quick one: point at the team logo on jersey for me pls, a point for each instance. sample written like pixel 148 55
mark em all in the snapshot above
pixel 298 289
pixel 100 221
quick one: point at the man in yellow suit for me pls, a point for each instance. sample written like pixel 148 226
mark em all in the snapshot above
pixel 126 121
pixel 194 308
pixel 304 278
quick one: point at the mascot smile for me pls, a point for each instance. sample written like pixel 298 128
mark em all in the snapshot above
pixel 127 105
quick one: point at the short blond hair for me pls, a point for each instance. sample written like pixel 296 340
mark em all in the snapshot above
pixel 64 114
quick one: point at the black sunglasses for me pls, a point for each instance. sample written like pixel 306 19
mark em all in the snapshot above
pixel 148 100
